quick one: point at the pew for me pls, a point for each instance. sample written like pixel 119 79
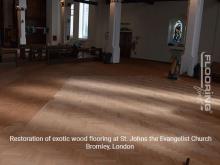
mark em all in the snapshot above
pixel 9 55
pixel 61 53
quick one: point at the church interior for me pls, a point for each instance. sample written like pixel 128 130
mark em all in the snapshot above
pixel 145 71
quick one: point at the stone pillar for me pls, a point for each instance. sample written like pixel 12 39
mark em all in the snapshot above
pixel 22 6
pixel 54 22
pixel 114 30
pixel 67 22
pixel 63 22
pixel 191 54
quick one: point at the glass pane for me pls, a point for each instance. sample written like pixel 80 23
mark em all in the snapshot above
pixel 72 20
pixel 83 20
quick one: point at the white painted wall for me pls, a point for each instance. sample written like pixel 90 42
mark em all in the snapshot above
pixel 102 25
pixel 57 24
pixel 65 26
pixel 210 35
pixel 150 23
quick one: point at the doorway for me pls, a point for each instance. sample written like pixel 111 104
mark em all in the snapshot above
pixel 125 44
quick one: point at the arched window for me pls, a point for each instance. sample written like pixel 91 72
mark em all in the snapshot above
pixel 178 32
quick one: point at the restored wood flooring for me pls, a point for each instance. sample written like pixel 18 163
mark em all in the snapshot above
pixel 80 99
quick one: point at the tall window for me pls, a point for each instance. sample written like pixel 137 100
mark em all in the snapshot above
pixel 71 20
pixel 83 20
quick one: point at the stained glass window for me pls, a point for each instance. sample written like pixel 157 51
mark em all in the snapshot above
pixel 178 31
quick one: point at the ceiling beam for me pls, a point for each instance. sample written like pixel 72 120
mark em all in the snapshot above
pixel 144 1
pixel 138 1
pixel 87 2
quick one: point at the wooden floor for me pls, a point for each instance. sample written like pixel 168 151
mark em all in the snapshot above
pixel 130 99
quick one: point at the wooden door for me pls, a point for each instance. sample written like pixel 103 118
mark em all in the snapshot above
pixel 36 17
pixel 1 22
pixel 9 37
pixel 125 44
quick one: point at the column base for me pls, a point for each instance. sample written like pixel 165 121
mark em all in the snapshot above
pixel 116 56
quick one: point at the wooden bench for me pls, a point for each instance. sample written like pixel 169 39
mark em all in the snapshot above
pixel 5 55
pixel 38 52
pixel 67 53
pixel 60 53
pixel 33 52
pixel 93 52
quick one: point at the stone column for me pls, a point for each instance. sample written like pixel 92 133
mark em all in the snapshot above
pixel 54 22
pixel 191 54
pixel 63 22
pixel 21 8
pixel 114 30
